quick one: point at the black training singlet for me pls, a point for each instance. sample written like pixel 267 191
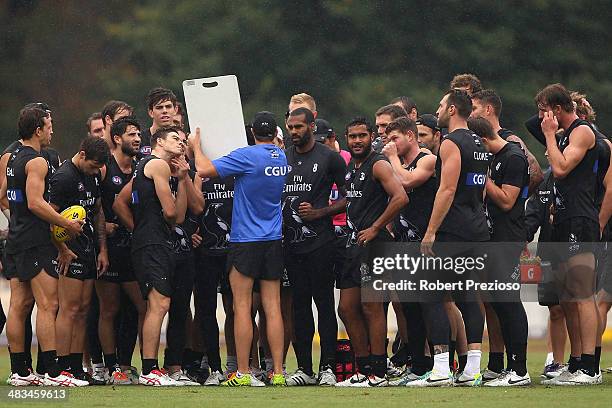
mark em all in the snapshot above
pixel 112 184
pixel 310 179
pixel 366 199
pixel 150 226
pixel 413 219
pixel 510 167
pixel 575 194
pixel 466 217
pixel 26 230
pixel 603 163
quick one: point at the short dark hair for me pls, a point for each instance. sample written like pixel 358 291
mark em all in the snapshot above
pixel 94 116
pixel 392 110
pixel 162 133
pixel 402 124
pixel 39 105
pixel 407 103
pixel 482 128
pixel 489 97
pixel 463 80
pixel 157 95
pixel 95 148
pixel 461 100
pixel 555 94
pixel 359 120
pixel 31 119
pixel 119 127
pixel 112 107
pixel 303 111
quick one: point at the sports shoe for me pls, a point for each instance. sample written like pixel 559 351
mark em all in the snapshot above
pixel 552 370
pixel 197 374
pixel 356 380
pixel 561 378
pixel 182 378
pixel 157 378
pixel 258 373
pixel 99 373
pixel 245 380
pixel 403 379
pixel 326 377
pixel 392 370
pixel 432 379
pixel 374 381
pixel 489 375
pixel 118 377
pixel 278 380
pixel 579 377
pixel 29 380
pixel 301 378
pixel 464 380
pixel 510 379
pixel 608 370
pixel 83 376
pixel 132 374
pixel 65 379
pixel 215 378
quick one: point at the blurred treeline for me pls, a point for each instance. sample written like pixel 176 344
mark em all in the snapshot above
pixel 351 55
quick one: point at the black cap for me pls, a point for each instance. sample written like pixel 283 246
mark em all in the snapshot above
pixel 323 130
pixel 429 120
pixel 264 124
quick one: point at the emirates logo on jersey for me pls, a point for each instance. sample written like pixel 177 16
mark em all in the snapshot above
pixel 116 180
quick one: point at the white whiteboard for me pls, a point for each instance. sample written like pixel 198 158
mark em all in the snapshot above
pixel 213 104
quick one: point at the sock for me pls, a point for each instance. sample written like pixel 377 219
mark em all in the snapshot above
pixel 573 364
pixel 452 346
pixel 472 367
pixel 597 358
pixel 40 361
pixel 232 364
pixel 19 364
pixel 363 365
pixel 440 365
pixel 148 365
pixel 110 361
pixel 549 359
pixel 379 365
pixel 588 364
pixel 496 362
pixel 76 362
pixel 63 362
pixel 518 358
pixel 269 364
pixel 28 358
pixel 48 360
pixel 462 362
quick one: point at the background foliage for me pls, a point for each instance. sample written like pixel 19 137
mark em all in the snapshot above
pixel 351 55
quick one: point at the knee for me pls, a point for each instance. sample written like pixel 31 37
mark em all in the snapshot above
pixel 372 311
pixel 556 313
pixel 49 306
pixel 108 311
pixel 21 305
pixel 347 311
pixel 160 306
pixel 70 309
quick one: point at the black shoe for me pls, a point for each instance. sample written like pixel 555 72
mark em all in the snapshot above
pixel 197 374
pixel 82 375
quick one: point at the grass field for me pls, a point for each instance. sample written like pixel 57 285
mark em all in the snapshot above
pixel 536 395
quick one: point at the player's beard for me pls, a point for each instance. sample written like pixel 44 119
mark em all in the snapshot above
pixel 365 153
pixel 303 140
pixel 128 150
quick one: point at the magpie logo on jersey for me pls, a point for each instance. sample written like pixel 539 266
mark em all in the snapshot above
pixel 301 231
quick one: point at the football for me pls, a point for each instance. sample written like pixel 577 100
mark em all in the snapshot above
pixel 75 212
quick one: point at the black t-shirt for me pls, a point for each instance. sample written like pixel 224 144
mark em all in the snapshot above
pixel 69 186
pixel 509 166
pixel 310 180
pixel 150 226
pixel 466 217
pixel 411 223
pixel 216 220
pixel 575 194
pixel 366 200
pixel 112 184
pixel 26 230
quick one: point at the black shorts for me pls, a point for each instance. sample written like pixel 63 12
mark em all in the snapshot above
pixel 154 268
pixel 258 260
pixel 120 266
pixel 576 236
pixel 27 264
pixel 355 272
pixel 81 269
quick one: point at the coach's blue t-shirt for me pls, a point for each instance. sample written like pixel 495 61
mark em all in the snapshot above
pixel 260 172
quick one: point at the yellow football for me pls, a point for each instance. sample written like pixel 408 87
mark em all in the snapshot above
pixel 75 212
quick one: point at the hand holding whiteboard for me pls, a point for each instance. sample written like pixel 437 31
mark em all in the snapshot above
pixel 213 104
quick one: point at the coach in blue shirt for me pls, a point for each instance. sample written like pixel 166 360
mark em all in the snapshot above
pixel 255 250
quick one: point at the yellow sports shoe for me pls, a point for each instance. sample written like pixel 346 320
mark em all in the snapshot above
pixel 278 380
pixel 244 380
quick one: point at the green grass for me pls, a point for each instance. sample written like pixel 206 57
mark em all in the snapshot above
pixel 149 397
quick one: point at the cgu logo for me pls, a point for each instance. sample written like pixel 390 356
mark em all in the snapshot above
pixel 475 179
pixel 276 171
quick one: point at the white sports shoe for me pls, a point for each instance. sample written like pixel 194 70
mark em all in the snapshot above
pixel 65 379
pixel 510 379
pixel 215 378
pixel 327 377
pixel 100 373
pixel 374 381
pixel 579 377
pixel 404 379
pixel 158 379
pixel 301 378
pixel 392 370
pixel 464 380
pixel 179 376
pixel 356 380
pixel 489 375
pixel 29 380
pixel 432 379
